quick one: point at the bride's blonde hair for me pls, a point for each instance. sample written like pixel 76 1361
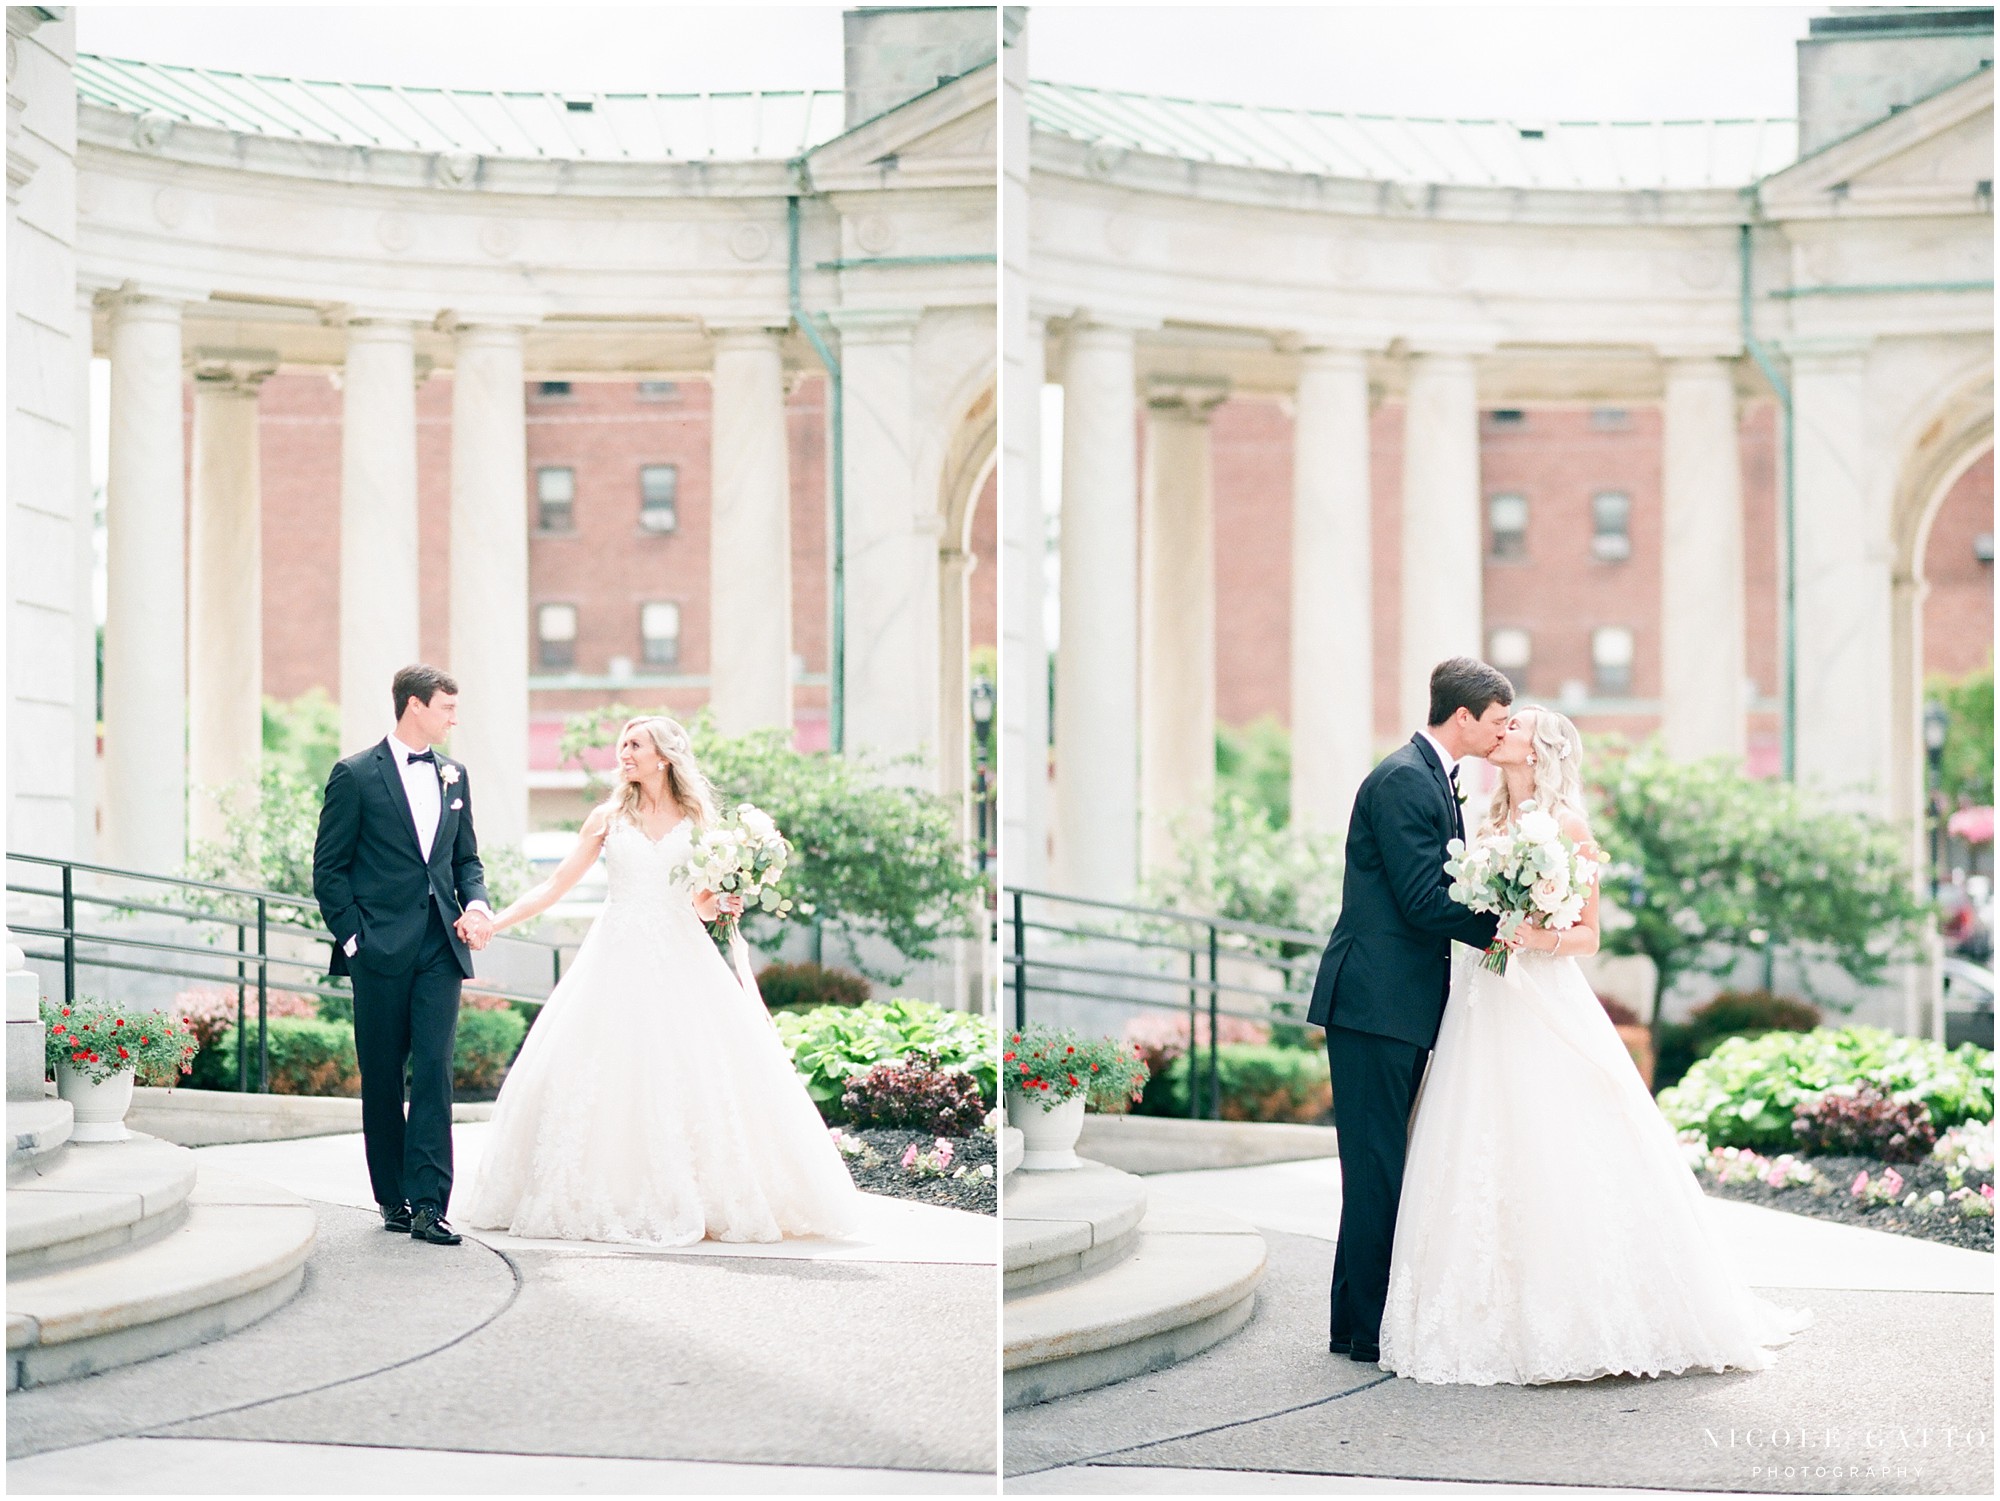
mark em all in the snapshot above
pixel 1558 752
pixel 685 783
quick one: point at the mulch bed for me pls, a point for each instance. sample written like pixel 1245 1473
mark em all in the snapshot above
pixel 1828 1199
pixel 881 1171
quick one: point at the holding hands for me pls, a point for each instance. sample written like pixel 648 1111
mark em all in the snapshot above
pixel 475 926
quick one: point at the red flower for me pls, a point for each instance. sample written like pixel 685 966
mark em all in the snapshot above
pixel 1093 1068
pixel 57 1030
pixel 123 1054
pixel 1072 1079
pixel 1008 1058
pixel 144 1040
pixel 95 1059
pixel 65 1011
pixel 1069 1050
pixel 119 1023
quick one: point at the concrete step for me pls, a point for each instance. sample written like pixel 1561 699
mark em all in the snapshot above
pixel 1189 1282
pixel 239 1254
pixel 95 1198
pixel 1065 1223
pixel 36 1131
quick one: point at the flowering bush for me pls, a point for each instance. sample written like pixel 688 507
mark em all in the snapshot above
pixel 1872 1193
pixel 1746 1093
pixel 832 1044
pixel 98 1039
pixel 1162 1036
pixel 1858 1120
pixel 1965 1148
pixel 853 1148
pixel 1533 870
pixel 1054 1066
pixel 935 1163
pixel 918 1093
pixel 1974 1204
pixel 1736 1165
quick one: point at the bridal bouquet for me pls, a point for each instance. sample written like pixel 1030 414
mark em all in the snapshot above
pixel 742 855
pixel 1530 871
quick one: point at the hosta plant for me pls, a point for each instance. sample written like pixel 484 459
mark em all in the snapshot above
pixel 1054 1066
pixel 832 1044
pixel 98 1039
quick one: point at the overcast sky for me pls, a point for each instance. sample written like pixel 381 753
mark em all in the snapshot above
pixel 1599 62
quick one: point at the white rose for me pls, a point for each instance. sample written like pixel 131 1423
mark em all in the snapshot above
pixel 1538 828
pixel 758 822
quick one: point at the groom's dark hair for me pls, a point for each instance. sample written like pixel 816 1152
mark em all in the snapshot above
pixel 420 682
pixel 1465 683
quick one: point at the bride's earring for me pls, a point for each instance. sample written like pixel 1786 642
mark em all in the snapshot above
pixel 1531 760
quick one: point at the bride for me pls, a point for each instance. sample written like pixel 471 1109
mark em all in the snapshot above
pixel 652 1103
pixel 1549 1228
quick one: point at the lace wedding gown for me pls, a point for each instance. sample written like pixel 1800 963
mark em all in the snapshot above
pixel 1549 1227
pixel 652 1103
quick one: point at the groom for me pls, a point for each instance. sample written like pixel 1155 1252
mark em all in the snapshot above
pixel 1381 987
pixel 397 874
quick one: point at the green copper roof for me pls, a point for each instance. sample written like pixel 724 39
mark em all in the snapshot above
pixel 503 123
pixel 1470 153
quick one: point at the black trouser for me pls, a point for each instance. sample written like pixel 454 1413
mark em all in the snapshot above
pixel 409 1019
pixel 1375 1082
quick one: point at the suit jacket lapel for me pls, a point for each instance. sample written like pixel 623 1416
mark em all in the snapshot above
pixel 385 758
pixel 1429 758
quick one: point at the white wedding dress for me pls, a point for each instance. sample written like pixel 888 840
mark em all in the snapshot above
pixel 652 1103
pixel 1549 1227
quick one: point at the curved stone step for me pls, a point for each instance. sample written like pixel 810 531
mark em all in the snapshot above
pixel 1189 1282
pixel 239 1254
pixel 94 1198
pixel 1065 1223
pixel 36 1131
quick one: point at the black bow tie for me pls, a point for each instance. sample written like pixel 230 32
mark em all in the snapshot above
pixel 430 756
pixel 1452 776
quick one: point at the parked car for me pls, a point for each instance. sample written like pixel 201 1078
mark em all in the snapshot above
pixel 1968 1003
pixel 547 850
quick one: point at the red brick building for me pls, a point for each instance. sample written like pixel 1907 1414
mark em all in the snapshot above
pixel 1572 578
pixel 618 551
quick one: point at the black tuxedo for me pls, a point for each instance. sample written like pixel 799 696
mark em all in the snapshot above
pixel 375 887
pixel 1380 994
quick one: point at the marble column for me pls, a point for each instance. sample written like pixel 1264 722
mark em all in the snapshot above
pixel 1023 720
pixel 489 573
pixel 380 586
pixel 750 536
pixel 1176 621
pixel 892 595
pixel 145 628
pixel 225 592
pixel 1701 564
pixel 85 789
pixel 1333 649
pixel 1843 567
pixel 1443 565
pixel 1097 668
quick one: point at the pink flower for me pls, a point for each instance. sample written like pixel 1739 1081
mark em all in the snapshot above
pixel 910 1156
pixel 1892 1182
pixel 1860 1185
pixel 944 1153
pixel 1986 1192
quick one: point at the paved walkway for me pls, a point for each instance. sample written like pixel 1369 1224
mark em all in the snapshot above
pixel 512 1366
pixel 1890 1392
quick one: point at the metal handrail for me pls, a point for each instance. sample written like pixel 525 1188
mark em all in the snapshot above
pixel 243 958
pixel 1203 947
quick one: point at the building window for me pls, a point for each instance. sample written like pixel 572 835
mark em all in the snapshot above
pixel 659 484
pixel 659 390
pixel 1507 517
pixel 555 635
pixel 1511 650
pixel 548 388
pixel 1611 519
pixel 555 499
pixel 1610 419
pixel 660 632
pixel 1511 418
pixel 1611 661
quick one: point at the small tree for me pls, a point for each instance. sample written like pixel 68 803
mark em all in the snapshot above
pixel 1254 762
pixel 1967 773
pixel 872 857
pixel 1710 863
pixel 1249 868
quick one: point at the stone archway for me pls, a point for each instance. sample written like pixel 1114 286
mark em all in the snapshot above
pixel 965 483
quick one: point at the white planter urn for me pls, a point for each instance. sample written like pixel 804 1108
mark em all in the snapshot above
pixel 99 1108
pixel 1048 1132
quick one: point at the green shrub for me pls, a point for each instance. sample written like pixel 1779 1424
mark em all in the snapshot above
pixel 1258 1082
pixel 487 1041
pixel 308 1056
pixel 800 987
pixel 831 1044
pixel 1733 1013
pixel 1746 1092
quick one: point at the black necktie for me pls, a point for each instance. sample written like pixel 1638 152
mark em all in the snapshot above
pixel 431 756
pixel 1457 808
pixel 1452 777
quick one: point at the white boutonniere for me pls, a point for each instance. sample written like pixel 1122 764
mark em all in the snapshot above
pixel 449 773
pixel 457 803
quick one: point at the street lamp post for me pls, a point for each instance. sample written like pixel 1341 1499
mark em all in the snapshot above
pixel 982 740
pixel 1937 726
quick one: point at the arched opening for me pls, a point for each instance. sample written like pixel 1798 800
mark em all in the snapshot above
pixel 967 600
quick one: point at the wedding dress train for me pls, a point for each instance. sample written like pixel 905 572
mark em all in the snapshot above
pixel 1549 1228
pixel 652 1103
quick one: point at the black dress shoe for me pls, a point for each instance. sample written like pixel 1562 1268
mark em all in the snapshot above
pixel 428 1224
pixel 395 1217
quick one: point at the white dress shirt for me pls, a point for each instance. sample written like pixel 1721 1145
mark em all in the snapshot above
pixel 424 787
pixel 1445 758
